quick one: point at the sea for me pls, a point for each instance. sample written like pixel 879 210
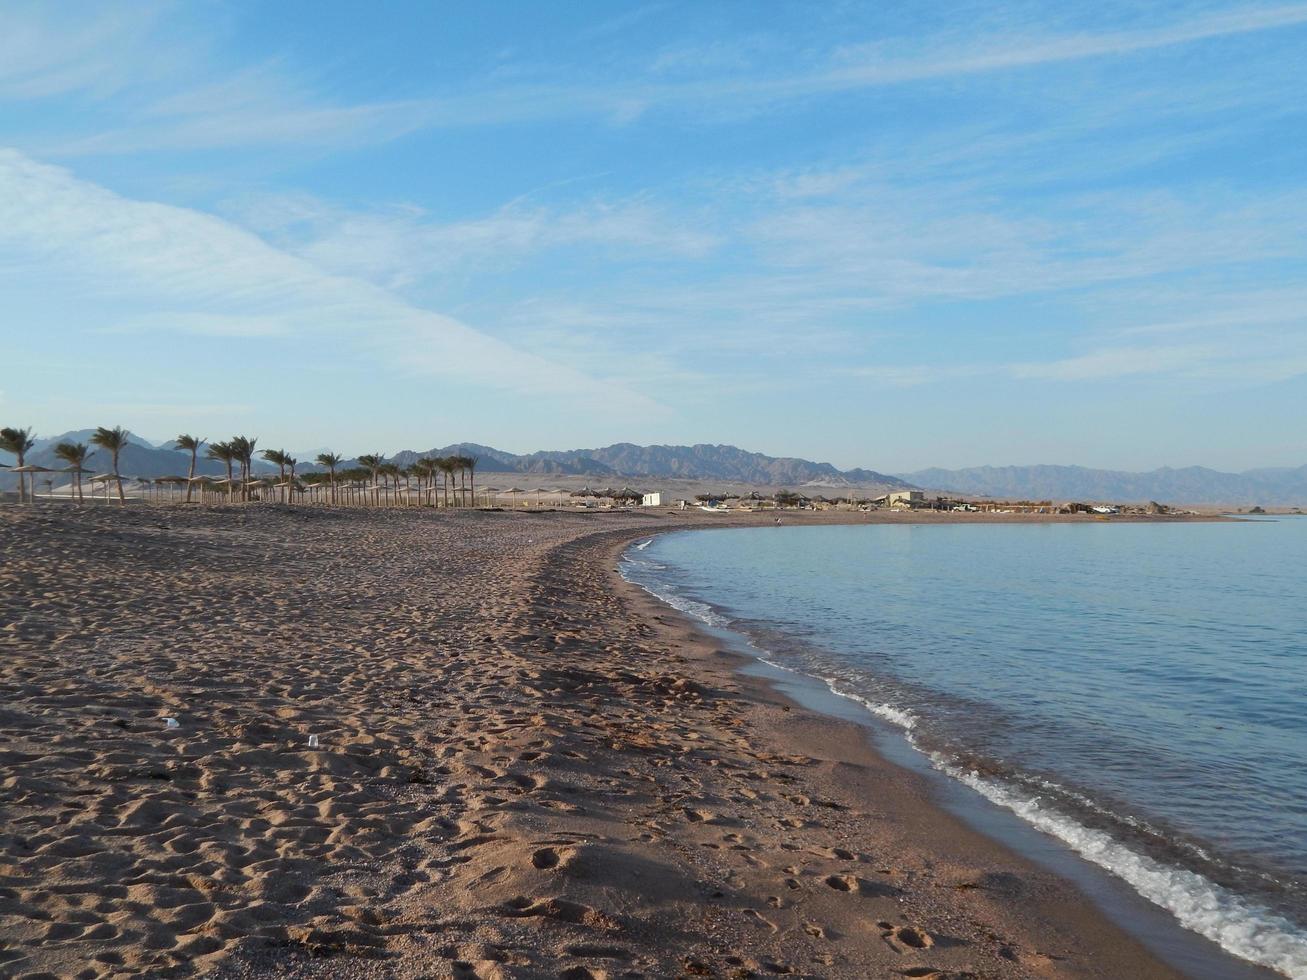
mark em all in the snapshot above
pixel 1137 691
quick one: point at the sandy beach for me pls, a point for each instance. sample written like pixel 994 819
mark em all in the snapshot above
pixel 521 767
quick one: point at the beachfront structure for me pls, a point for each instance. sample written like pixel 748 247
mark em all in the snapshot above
pixel 901 498
pixel 654 499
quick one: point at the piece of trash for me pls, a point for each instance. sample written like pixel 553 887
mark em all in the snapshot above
pixel 313 741
pixel 171 723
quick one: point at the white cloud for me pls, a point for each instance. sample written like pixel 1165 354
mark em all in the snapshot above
pixel 401 244
pixel 1225 356
pixel 48 50
pixel 180 99
pixel 196 272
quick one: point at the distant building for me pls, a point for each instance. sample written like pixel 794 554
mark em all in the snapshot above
pixel 654 499
pixel 902 498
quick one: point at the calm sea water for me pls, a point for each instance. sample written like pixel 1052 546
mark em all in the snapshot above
pixel 1138 690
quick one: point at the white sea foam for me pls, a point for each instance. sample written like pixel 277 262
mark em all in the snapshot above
pixel 691 607
pixel 882 709
pixel 644 544
pixel 1239 927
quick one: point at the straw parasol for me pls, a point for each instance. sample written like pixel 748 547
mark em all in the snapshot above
pixel 30 468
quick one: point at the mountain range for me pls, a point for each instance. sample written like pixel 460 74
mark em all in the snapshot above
pixel 1188 485
pixel 728 464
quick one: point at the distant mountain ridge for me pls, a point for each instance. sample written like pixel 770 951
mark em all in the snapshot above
pixel 1188 485
pixel 626 461
pixel 699 462
pixel 622 460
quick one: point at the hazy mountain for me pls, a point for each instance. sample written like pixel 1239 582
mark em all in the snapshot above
pixel 611 464
pixel 139 458
pixel 1189 485
pixel 84 435
pixel 702 462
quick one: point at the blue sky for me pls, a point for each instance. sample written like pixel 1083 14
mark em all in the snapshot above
pixel 889 235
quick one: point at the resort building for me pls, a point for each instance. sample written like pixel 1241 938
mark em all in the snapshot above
pixel 902 499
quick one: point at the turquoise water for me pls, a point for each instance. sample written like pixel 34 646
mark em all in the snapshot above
pixel 1137 690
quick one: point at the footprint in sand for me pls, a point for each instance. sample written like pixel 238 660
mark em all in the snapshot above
pixel 859 886
pixel 550 858
pixel 903 938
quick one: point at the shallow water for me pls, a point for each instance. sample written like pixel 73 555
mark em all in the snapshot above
pixel 1137 690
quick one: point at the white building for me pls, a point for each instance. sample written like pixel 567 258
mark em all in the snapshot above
pixel 654 499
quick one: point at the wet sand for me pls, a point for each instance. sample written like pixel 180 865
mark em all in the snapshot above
pixel 524 768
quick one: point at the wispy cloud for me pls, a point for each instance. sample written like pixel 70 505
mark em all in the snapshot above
pixel 48 50
pixel 1225 356
pixel 197 273
pixel 402 244
pixel 45 51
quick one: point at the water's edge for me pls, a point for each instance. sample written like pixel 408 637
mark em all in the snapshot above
pixel 1193 925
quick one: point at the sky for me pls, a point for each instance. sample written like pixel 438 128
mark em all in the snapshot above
pixel 882 235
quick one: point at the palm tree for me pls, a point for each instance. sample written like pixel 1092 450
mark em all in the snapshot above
pixel 291 463
pixel 330 461
pixel 114 440
pixel 425 470
pixel 445 468
pixel 279 457
pixel 242 448
pixel 470 463
pixel 191 445
pixel 373 462
pixel 224 453
pixel 390 471
pixel 18 442
pixel 74 454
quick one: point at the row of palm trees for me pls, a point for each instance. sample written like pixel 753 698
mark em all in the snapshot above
pixel 436 480
pixel 21 441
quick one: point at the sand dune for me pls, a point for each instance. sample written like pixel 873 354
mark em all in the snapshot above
pixel 522 769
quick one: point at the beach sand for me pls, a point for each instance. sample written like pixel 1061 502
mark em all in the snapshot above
pixel 524 768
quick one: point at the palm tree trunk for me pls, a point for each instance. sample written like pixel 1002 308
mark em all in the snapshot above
pixel 191 476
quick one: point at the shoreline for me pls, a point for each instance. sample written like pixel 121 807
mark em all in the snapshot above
pixel 1112 896
pixel 526 769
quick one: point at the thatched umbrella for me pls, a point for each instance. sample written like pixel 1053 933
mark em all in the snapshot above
pixel 30 468
pixel 102 478
pixel 512 490
pixel 538 491
pixel 490 493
